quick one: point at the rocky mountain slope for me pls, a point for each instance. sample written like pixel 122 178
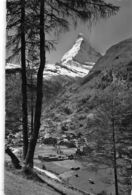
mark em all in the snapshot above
pixel 118 59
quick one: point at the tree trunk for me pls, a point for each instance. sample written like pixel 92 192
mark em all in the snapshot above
pixel 32 103
pixel 38 107
pixel 114 153
pixel 13 157
pixel 24 82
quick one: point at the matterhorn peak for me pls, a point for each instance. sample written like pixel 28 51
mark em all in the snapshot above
pixel 68 56
pixel 81 52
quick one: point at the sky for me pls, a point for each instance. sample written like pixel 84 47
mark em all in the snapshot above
pixel 104 34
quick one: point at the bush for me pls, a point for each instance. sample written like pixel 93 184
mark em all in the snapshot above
pixel 68 144
pixel 50 141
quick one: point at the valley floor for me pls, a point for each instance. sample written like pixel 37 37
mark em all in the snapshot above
pixel 101 177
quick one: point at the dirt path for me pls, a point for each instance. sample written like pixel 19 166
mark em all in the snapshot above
pixel 59 186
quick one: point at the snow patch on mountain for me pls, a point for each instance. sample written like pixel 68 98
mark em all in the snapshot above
pixel 73 69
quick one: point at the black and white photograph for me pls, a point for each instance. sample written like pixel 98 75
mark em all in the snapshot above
pixel 68 97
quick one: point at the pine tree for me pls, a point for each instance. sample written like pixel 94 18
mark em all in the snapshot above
pixel 13 103
pixel 24 81
pixel 16 28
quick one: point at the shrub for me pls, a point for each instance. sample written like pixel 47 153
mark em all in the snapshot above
pixel 50 141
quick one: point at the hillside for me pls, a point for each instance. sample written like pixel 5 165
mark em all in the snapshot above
pixel 16 184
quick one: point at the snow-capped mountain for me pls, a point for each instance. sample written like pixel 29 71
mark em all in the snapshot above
pixel 81 52
pixel 76 62
pixel 69 55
